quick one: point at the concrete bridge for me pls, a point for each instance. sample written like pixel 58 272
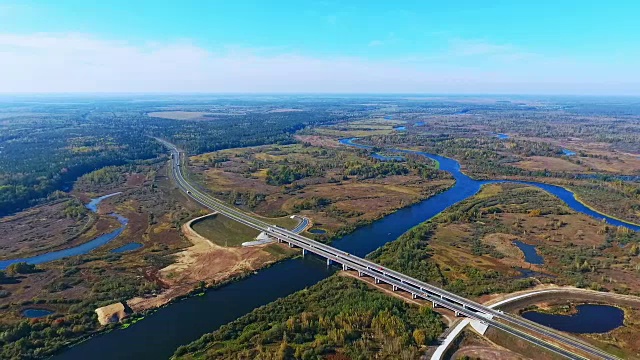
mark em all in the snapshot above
pixel 537 334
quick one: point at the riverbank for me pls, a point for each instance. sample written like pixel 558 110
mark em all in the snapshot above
pixel 206 264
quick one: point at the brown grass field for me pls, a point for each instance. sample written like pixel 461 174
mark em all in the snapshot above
pixel 351 201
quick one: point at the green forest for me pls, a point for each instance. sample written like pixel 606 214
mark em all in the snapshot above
pixel 336 316
pixel 40 154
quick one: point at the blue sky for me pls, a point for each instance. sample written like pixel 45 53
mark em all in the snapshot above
pixel 546 47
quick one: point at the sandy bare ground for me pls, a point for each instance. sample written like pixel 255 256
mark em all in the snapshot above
pixel 486 352
pixel 204 261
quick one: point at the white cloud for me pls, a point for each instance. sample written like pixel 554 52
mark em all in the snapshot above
pixel 81 63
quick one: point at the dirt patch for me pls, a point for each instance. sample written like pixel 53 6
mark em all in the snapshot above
pixel 206 262
pixel 486 352
pixel 113 313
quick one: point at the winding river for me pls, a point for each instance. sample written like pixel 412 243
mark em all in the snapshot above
pixel 158 336
pixel 80 249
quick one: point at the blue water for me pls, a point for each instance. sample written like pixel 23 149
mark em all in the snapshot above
pixel 419 123
pixel 530 253
pixel 568 152
pixel 400 128
pixel 94 203
pixel 387 158
pixel 77 250
pixel 468 187
pixel 589 319
pixel 36 313
pixel 502 136
pixel 161 333
pixel 127 247
pixel 318 231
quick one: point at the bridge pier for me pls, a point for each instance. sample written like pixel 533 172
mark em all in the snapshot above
pixel 360 273
pixel 345 267
pixel 291 245
pixel 434 304
pixel 457 314
pixel 377 280
pixel 329 262
pixel 414 296
pixel 395 288
pixel 304 252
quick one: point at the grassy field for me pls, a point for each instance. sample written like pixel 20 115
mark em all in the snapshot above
pixel 223 231
pixel 337 188
pixel 360 128
pixel 470 246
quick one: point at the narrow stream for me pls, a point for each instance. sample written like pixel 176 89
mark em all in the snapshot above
pixel 76 250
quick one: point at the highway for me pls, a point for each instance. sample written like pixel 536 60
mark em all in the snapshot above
pixel 517 326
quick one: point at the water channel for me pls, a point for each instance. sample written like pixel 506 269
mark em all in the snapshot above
pixel 80 249
pixel 160 334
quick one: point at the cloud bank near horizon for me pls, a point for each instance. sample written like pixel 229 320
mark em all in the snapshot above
pixel 79 63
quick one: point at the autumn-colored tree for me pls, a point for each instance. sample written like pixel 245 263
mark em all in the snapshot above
pixel 420 336
pixel 535 213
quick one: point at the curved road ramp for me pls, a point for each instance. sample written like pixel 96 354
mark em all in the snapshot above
pixel 263 238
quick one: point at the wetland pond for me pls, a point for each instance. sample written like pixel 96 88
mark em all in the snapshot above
pixel 530 253
pixel 317 231
pixel 36 313
pixel 588 319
